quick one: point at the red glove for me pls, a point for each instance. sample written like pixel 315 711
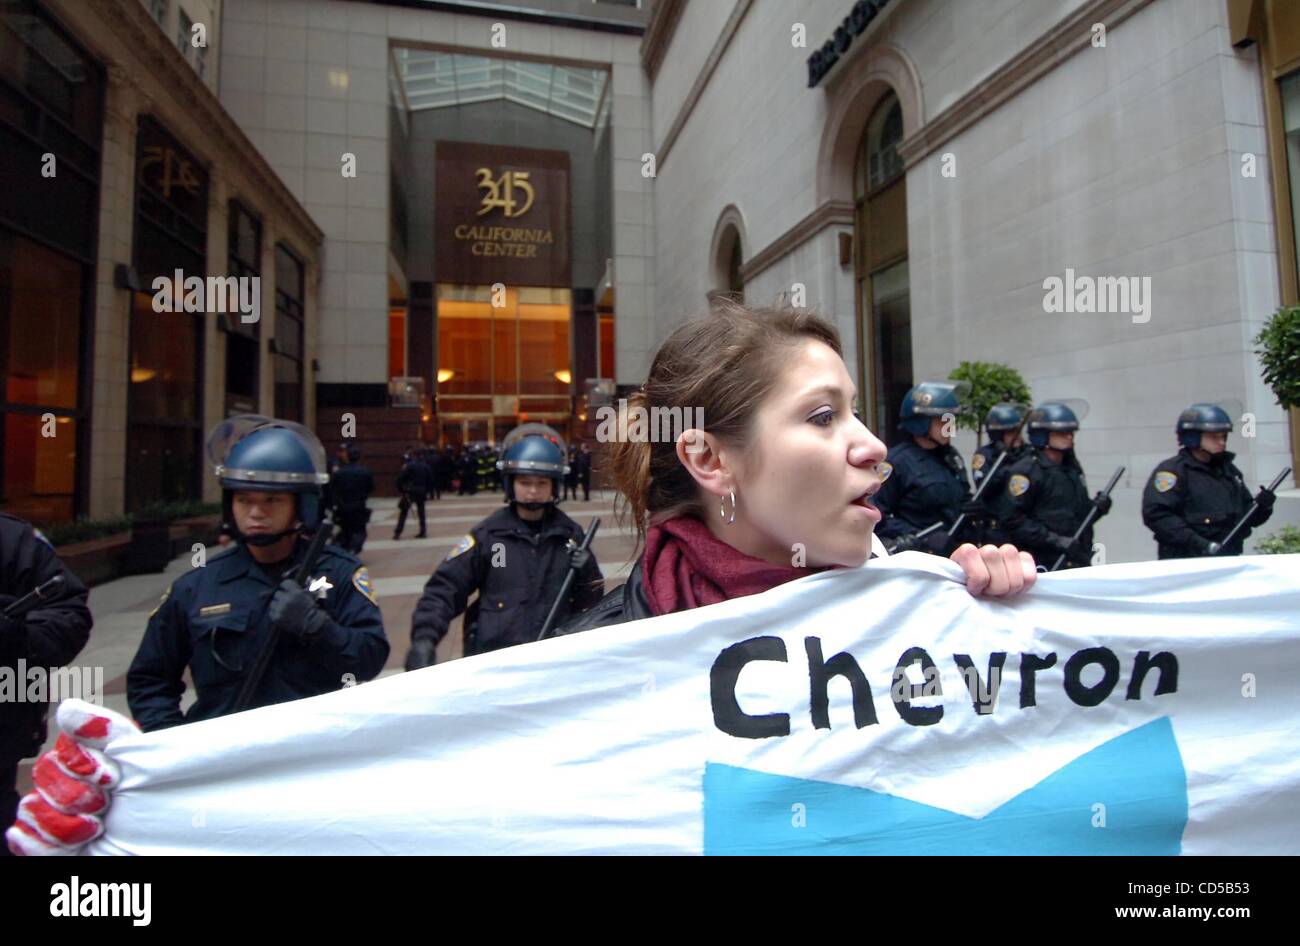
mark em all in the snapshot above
pixel 72 782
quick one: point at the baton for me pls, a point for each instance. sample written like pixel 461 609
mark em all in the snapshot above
pixel 916 535
pixel 1250 512
pixel 301 575
pixel 1092 514
pixel 46 589
pixel 568 580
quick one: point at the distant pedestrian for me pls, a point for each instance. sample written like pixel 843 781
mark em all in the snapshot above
pixel 584 472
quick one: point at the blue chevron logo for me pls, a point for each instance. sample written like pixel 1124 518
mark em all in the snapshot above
pixel 1138 777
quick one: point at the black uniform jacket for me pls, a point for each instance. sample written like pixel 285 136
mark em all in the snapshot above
pixel 350 487
pixel 415 479
pixel 1189 504
pixel 213 620
pixel 54 634
pixel 517 573
pixel 921 487
pixel 1041 499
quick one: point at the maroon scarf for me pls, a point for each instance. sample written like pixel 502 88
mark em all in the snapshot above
pixel 685 566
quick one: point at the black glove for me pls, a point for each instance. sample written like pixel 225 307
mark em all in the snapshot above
pixel 579 558
pixel 422 654
pixel 904 543
pixel 1103 505
pixel 293 611
pixel 5 601
pixel 1075 551
pixel 1265 498
pixel 974 510
pixel 13 631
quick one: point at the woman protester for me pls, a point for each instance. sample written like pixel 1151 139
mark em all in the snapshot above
pixel 776 486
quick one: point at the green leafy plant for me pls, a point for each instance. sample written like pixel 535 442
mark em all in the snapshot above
pixel 178 509
pixel 1283 542
pixel 1279 354
pixel 83 529
pixel 990 383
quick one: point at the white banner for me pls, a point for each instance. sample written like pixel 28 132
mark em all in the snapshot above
pixel 1126 709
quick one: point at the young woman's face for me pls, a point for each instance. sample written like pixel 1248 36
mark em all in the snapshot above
pixel 812 466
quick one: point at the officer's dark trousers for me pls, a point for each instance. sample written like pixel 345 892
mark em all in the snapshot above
pixel 586 489
pixel 352 529
pixel 416 500
pixel 8 799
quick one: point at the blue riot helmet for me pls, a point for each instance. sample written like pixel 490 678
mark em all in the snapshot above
pixel 1048 417
pixel 256 453
pixel 1198 419
pixel 534 449
pixel 1002 418
pixel 930 399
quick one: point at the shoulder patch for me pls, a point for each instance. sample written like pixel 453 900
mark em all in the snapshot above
pixel 361 582
pixel 461 547
pixel 977 462
pixel 1164 481
pixel 1018 484
pixel 883 469
pixel 161 601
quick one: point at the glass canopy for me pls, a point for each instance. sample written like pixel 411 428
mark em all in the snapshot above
pixel 434 79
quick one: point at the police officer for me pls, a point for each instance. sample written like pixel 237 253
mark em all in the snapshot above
pixel 516 559
pixel 47 636
pixel 1003 427
pixel 350 487
pixel 923 476
pixel 1046 497
pixel 468 467
pixel 1192 500
pixel 215 618
pixel 414 481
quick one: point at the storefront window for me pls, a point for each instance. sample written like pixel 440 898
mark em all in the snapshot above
pixel 1291 126
pixel 288 335
pixel 880 236
pixel 244 261
pixel 164 408
pixel 40 328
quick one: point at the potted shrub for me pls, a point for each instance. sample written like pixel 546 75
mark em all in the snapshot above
pixel 1279 355
pixel 990 383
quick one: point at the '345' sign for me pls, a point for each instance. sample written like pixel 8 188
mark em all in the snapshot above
pixel 501 192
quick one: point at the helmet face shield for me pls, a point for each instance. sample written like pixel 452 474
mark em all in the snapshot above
pixel 232 430
pixel 1005 416
pixel 533 449
pixel 253 453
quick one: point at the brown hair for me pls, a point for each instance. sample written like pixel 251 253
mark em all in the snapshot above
pixel 722 364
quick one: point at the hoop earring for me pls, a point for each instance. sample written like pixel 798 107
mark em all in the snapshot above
pixel 722 508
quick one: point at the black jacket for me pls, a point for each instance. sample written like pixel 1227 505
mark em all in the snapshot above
pixel 921 487
pixel 517 573
pixel 1041 500
pixel 350 487
pixel 1188 504
pixel 48 636
pixel 415 479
